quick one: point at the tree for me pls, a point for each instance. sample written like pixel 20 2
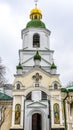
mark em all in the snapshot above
pixel 2 73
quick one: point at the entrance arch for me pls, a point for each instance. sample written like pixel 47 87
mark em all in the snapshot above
pixel 36 121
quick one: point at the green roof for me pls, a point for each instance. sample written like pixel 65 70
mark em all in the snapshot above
pixel 66 90
pixel 53 66
pixel 19 66
pixel 35 23
pixel 70 90
pixel 5 97
pixel 37 56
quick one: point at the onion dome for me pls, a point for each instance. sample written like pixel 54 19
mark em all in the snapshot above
pixel 35 13
pixel 35 23
pixel 53 66
pixel 35 16
pixel 37 56
pixel 19 66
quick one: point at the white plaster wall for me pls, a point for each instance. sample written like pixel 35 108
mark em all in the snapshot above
pixel 27 38
pixel 36 95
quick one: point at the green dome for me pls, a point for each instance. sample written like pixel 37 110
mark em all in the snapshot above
pixel 37 56
pixel 35 23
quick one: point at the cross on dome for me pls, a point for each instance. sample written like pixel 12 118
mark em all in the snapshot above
pixel 35 13
pixel 36 3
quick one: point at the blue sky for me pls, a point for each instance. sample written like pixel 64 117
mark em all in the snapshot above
pixel 58 17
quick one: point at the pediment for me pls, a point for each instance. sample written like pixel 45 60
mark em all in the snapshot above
pixel 36 105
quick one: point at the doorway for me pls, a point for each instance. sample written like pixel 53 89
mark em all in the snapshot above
pixel 36 121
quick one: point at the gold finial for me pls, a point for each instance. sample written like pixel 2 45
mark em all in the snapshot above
pixel 36 3
pixel 35 13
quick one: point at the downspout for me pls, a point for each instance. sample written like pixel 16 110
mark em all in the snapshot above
pixel 65 111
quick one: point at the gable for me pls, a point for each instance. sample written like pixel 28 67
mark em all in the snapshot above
pixel 36 105
pixel 27 79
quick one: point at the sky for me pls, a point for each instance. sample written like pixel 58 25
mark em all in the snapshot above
pixel 58 17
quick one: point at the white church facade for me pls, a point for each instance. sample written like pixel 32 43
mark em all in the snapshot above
pixel 39 100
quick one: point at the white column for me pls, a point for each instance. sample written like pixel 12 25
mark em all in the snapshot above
pixel 61 120
pixel 52 113
pixel 13 111
pixel 67 115
pixel 22 111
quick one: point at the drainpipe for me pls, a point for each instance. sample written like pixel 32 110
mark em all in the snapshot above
pixel 65 111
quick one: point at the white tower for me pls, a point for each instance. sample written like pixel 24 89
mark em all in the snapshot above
pixel 35 35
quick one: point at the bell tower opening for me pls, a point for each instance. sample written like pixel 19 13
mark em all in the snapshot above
pixel 36 121
pixel 36 40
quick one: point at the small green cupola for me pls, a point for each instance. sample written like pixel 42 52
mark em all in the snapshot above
pixel 19 66
pixel 37 56
pixel 53 66
pixel 37 59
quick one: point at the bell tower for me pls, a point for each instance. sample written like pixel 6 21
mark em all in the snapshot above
pixel 35 35
pixel 36 81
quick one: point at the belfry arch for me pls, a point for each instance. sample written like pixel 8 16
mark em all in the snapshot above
pixel 43 89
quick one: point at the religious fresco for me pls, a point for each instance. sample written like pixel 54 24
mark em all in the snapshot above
pixel 56 113
pixel 17 113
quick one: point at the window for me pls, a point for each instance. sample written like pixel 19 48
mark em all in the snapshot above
pixel 36 40
pixel 36 84
pixel 17 113
pixel 55 86
pixel 18 86
pixel 44 96
pixel 56 113
pixel 28 97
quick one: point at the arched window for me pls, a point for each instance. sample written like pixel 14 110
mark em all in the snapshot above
pixel 56 110
pixel 36 40
pixel 17 113
pixel 28 97
pixel 18 86
pixel 44 96
pixel 55 86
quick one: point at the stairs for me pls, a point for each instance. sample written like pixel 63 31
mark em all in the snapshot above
pixel 6 124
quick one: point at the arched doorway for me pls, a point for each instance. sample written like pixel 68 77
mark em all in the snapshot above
pixel 36 121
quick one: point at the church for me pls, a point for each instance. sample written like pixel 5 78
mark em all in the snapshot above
pixel 38 102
